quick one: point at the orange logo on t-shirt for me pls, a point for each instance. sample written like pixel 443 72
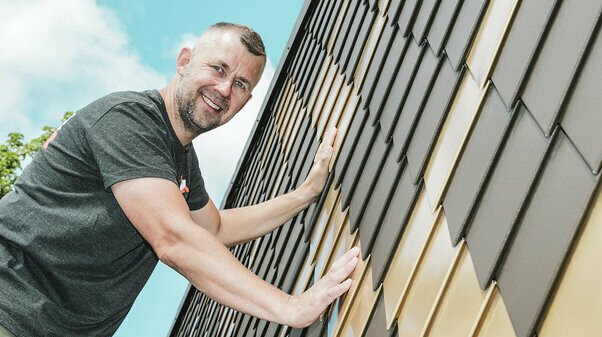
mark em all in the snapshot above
pixel 183 187
pixel 53 135
pixel 50 139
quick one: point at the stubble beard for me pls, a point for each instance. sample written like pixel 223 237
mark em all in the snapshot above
pixel 187 112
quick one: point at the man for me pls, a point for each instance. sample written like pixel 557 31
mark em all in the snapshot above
pixel 118 188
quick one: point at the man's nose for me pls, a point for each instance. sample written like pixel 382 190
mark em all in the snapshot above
pixel 224 87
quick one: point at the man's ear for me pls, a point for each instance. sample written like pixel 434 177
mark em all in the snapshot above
pixel 183 60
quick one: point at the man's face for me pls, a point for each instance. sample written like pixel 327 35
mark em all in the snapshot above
pixel 216 81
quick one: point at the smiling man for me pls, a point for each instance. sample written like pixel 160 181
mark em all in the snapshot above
pixel 119 188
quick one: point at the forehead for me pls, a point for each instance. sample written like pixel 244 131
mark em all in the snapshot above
pixel 225 47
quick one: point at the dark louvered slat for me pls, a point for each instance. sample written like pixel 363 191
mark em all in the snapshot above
pixel 503 198
pixel 424 18
pixel 431 119
pixel 553 213
pixel 374 70
pixel 559 59
pixel 465 26
pixel 367 180
pixel 358 48
pixel 582 118
pixel 306 68
pixel 405 122
pixel 408 14
pixel 348 146
pixel 357 162
pixel 308 84
pixel 391 64
pixel 393 224
pixel 474 163
pixel 401 86
pixel 329 27
pixel 441 26
pixel 519 47
pixel 343 36
pixel 378 202
pixel 352 36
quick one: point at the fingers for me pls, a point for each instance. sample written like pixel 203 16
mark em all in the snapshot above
pixel 345 258
pixel 324 154
pixel 325 150
pixel 318 174
pixel 336 282
pixel 342 273
pixel 341 269
pixel 330 136
pixel 338 290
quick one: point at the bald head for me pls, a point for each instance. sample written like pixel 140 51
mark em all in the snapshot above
pixel 224 30
pixel 248 37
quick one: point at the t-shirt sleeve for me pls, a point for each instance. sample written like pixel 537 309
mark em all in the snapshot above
pixel 198 196
pixel 127 142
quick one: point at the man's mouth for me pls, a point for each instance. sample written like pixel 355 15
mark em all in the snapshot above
pixel 211 103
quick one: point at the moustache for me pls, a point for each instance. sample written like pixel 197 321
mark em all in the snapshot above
pixel 216 98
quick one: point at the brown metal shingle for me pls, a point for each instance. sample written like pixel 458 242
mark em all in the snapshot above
pixel 545 233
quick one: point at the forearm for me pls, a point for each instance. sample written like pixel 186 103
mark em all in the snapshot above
pixel 211 268
pixel 246 223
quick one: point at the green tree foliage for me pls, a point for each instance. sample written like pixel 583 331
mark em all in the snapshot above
pixel 14 151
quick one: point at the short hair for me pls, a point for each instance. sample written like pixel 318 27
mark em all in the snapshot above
pixel 249 38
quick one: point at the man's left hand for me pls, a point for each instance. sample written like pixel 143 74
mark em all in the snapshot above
pixel 316 179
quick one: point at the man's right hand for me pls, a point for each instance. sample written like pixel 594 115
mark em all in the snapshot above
pixel 199 256
pixel 305 308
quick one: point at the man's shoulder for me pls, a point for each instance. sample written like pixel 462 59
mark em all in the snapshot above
pixel 149 99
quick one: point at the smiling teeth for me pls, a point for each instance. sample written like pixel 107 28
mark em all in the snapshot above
pixel 211 104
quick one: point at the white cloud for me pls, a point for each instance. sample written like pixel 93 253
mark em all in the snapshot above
pixel 59 56
pixel 186 40
pixel 219 149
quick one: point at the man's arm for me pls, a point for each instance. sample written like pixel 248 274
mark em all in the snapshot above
pixel 194 252
pixel 234 226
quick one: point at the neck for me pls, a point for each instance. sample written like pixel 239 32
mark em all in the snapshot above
pixel 168 93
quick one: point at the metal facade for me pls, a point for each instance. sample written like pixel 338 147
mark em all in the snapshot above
pixel 466 168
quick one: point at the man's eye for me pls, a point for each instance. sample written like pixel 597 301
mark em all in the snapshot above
pixel 240 84
pixel 218 68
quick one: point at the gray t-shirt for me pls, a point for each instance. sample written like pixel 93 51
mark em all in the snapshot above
pixel 71 264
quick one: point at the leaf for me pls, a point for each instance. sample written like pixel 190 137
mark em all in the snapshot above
pixel 15 150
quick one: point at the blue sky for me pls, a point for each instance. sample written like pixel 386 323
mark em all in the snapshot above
pixel 60 55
